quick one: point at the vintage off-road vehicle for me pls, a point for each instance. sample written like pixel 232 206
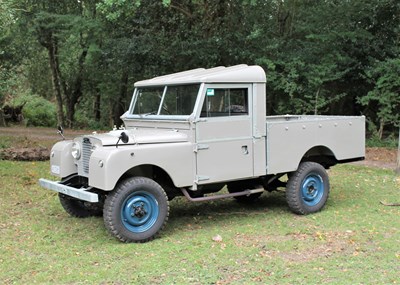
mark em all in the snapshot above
pixel 190 134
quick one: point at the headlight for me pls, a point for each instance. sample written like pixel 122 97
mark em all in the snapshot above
pixel 76 150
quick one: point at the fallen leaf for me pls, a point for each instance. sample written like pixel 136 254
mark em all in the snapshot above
pixel 217 238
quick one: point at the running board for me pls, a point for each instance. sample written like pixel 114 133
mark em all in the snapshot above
pixel 222 196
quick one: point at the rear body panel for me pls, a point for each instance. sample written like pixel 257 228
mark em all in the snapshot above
pixel 289 138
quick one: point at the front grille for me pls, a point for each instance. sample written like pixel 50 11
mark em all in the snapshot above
pixel 86 153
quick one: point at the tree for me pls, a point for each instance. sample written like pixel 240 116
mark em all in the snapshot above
pixel 321 57
pixel 66 31
pixel 384 99
pixel 7 13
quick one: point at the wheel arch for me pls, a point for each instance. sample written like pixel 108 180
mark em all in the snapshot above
pixel 320 154
pixel 154 172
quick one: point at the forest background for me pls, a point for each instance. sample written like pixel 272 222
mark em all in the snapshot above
pixel 74 63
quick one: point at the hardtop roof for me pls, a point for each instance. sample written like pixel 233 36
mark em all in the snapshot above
pixel 242 73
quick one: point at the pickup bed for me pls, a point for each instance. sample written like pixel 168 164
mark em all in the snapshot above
pixel 338 138
pixel 194 133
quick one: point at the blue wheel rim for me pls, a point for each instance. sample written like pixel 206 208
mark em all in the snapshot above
pixel 139 212
pixel 312 189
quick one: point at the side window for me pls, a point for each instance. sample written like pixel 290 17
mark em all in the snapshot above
pixel 227 102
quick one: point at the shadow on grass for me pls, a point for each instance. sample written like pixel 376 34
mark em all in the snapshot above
pixel 214 213
pixel 184 215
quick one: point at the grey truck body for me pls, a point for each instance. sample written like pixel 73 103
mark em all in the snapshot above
pixel 191 134
pixel 193 149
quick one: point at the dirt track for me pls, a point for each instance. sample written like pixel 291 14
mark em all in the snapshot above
pixel 30 144
pixel 20 143
pixel 380 157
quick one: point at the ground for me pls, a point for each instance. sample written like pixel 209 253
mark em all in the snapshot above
pixel 354 240
pixel 31 144
pixel 20 143
pixel 380 157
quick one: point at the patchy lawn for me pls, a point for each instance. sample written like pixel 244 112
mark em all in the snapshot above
pixel 354 240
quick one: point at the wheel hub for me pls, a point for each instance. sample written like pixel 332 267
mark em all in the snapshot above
pixel 139 211
pixel 312 189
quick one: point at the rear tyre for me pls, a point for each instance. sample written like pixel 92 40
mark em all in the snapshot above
pixel 80 209
pixel 308 188
pixel 137 210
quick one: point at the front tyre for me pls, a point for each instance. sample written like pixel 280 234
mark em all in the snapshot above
pixel 80 209
pixel 137 210
pixel 308 188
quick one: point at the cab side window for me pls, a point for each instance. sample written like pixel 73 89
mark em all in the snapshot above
pixel 225 102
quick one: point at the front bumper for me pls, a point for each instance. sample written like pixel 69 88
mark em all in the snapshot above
pixel 81 193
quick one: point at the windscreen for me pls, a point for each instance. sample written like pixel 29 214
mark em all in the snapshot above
pixel 169 100
pixel 148 100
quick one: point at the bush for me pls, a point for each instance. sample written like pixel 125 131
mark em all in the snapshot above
pixel 390 142
pixel 38 111
pixel 84 120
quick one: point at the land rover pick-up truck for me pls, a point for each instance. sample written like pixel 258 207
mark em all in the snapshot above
pixel 191 134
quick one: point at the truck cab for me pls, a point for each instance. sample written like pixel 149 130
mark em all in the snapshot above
pixel 193 133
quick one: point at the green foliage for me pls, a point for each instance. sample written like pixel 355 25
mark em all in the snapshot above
pixel 375 141
pixel 37 110
pixel 114 10
pixel 7 13
pixel 384 76
pixel 321 57
pixel 8 80
pixel 84 120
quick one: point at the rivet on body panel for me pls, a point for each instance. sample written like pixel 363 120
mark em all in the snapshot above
pixel 320 125
pixel 132 154
pixel 304 127
pixel 350 123
pixel 286 128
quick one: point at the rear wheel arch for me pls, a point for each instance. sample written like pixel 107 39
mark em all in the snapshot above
pixel 320 154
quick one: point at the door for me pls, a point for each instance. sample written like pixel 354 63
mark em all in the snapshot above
pixel 224 149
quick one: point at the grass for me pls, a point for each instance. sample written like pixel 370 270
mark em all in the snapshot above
pixel 354 240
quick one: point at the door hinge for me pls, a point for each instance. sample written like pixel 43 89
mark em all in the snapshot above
pixel 201 178
pixel 200 146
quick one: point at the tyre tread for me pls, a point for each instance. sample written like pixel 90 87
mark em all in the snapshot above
pixel 110 204
pixel 292 190
pixel 72 207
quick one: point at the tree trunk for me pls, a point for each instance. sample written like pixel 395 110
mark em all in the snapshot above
pixel 380 131
pixel 316 101
pixel 56 79
pixel 96 107
pixel 398 156
pixel 2 121
pixel 119 107
pixel 74 97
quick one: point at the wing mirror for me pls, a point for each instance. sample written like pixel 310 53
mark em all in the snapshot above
pixel 123 137
pixel 60 131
